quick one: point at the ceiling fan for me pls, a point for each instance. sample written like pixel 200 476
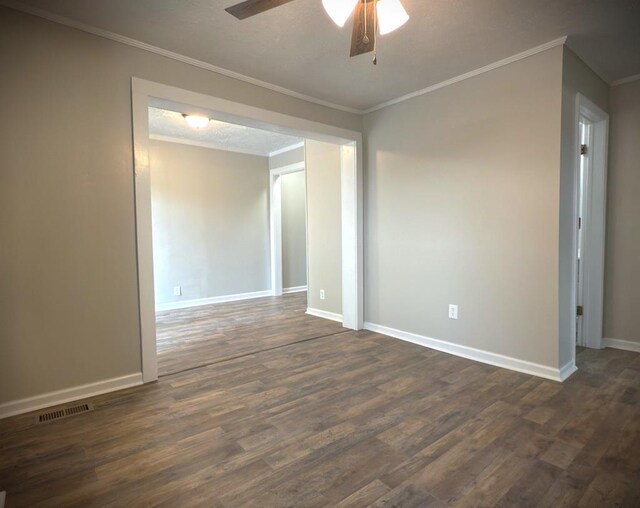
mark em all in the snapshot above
pixel 370 17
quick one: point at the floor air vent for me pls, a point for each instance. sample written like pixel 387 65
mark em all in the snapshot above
pixel 65 412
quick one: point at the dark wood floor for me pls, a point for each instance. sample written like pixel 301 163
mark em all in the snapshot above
pixel 197 336
pixel 349 419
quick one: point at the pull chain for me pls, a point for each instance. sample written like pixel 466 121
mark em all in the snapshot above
pixel 365 39
pixel 375 32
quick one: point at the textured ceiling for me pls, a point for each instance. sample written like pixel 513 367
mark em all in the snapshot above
pixel 221 135
pixel 297 47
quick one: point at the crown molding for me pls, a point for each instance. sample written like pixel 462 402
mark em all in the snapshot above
pixel 628 79
pixel 19 6
pixel 500 63
pixel 287 149
pixel 62 20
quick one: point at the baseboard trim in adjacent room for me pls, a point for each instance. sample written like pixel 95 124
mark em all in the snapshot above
pixel 478 355
pixel 324 314
pixel 626 345
pixel 50 399
pixel 296 289
pixel 214 299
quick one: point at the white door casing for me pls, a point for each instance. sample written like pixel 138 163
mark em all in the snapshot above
pixel 143 93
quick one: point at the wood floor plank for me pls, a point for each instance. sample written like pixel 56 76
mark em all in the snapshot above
pixel 197 336
pixel 262 405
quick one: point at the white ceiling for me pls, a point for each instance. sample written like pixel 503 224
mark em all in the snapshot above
pixel 171 126
pixel 297 47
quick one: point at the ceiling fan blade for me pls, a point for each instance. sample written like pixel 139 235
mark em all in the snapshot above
pixel 250 8
pixel 358 44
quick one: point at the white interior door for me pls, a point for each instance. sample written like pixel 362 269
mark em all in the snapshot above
pixel 584 131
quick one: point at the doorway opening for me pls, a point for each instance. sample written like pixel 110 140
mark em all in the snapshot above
pixel 590 215
pixel 288 234
pixel 273 293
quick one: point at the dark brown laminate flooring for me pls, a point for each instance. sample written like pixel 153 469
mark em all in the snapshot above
pixel 349 419
pixel 198 336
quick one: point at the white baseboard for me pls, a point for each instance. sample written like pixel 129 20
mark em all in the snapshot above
pixel 296 289
pixel 627 345
pixel 50 399
pixel 324 314
pixel 568 369
pixel 214 299
pixel 478 355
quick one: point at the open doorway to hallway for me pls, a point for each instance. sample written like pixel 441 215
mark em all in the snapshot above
pixel 233 221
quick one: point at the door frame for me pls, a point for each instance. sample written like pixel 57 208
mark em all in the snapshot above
pixel 143 94
pixel 593 222
pixel 275 221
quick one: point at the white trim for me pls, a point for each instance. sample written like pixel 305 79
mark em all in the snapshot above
pixel 324 314
pixel 577 270
pixel 478 355
pixel 205 144
pixel 628 79
pixel 50 399
pixel 275 231
pixel 3 496
pixel 35 11
pixel 144 231
pixel 289 168
pixel 352 243
pixel 471 74
pixel 626 345
pixel 213 299
pixel 568 369
pixel 287 149
pixel 142 92
pixel 295 289
pixel 19 6
pixel 594 223
pixel 275 222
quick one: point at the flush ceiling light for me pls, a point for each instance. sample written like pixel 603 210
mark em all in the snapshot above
pixel 196 121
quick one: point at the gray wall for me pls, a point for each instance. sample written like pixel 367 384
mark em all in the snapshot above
pixel 622 275
pixel 210 222
pixel 324 222
pixel 461 207
pixel 294 230
pixel 576 78
pixel 69 297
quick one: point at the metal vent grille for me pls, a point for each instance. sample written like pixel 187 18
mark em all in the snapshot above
pixel 65 412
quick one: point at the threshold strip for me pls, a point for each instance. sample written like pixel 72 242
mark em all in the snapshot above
pixel 228 359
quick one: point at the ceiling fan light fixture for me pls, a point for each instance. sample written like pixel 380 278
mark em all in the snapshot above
pixel 339 10
pixel 391 15
pixel 196 121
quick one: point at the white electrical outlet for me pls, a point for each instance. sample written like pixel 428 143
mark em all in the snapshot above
pixel 177 291
pixel 453 311
pixel 322 294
